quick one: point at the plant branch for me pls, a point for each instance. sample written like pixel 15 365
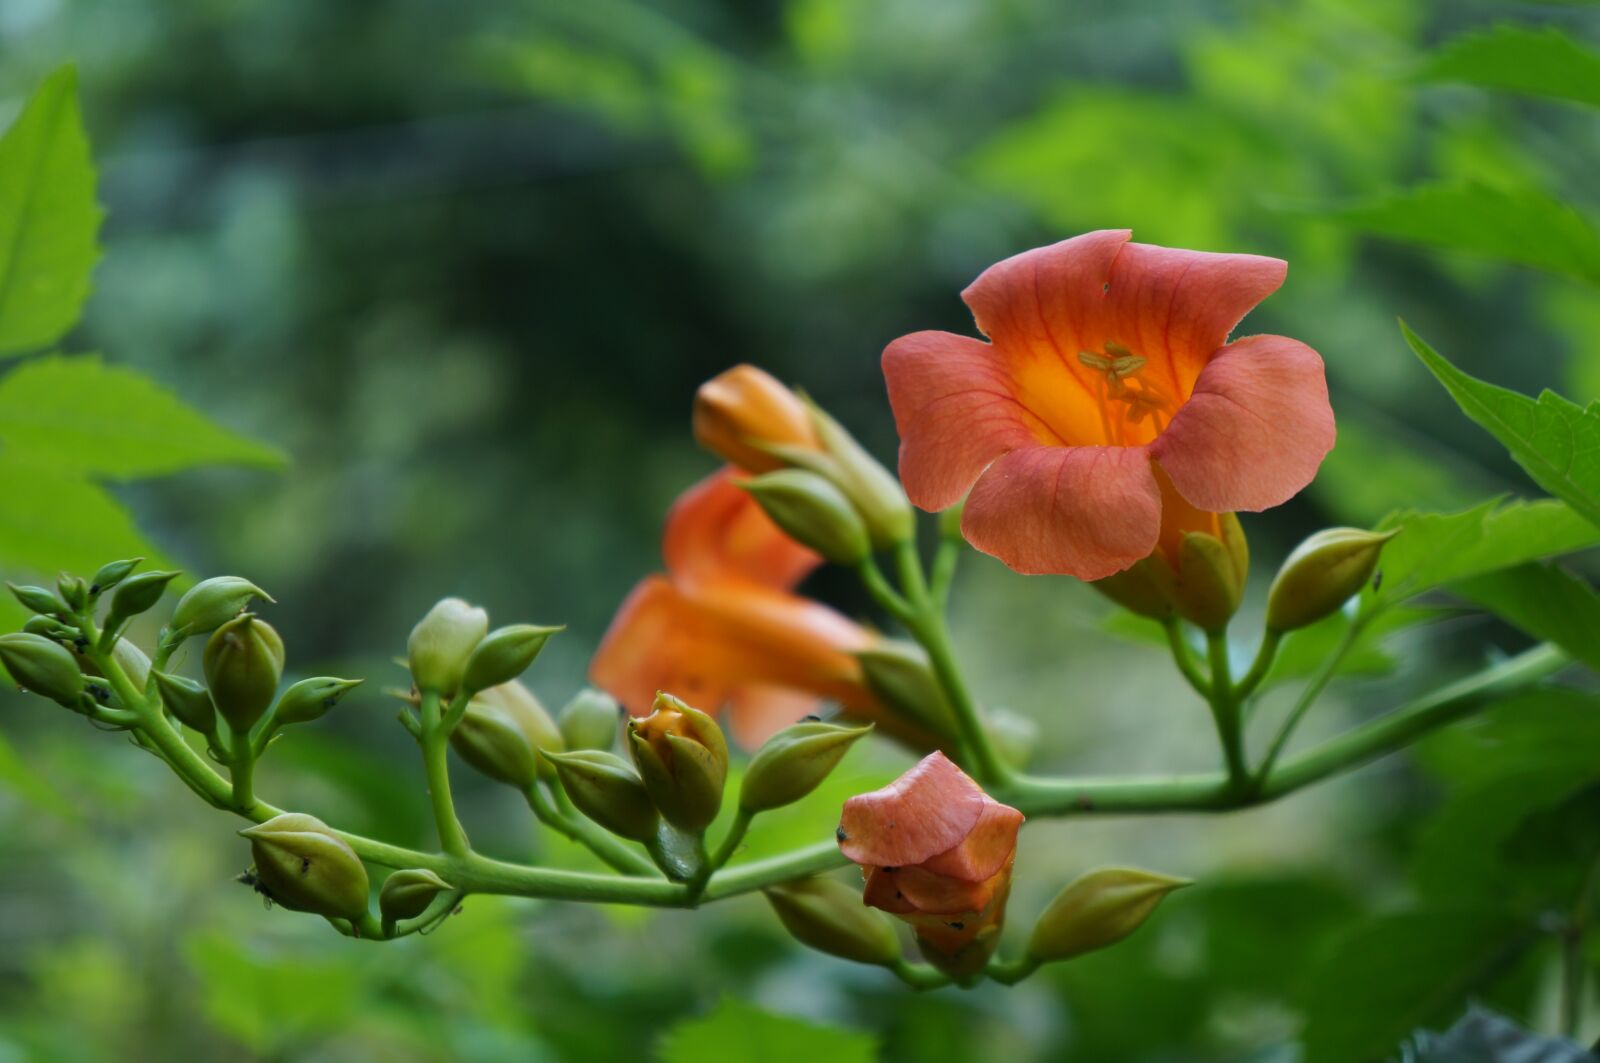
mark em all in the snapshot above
pixel 1183 657
pixel 435 738
pixel 1225 710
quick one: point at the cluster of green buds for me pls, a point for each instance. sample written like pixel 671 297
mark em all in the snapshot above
pixel 1202 582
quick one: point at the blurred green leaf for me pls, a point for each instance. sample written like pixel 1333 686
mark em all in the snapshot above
pixel 1555 440
pixel 1543 728
pixel 1303 652
pixel 51 518
pixel 1392 974
pixel 48 217
pixel 739 1031
pixel 17 776
pixel 1539 62
pixel 1438 548
pixel 269 1002
pixel 1546 601
pixel 1521 225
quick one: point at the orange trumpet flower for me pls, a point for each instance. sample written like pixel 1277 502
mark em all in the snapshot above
pixel 1108 413
pixel 937 852
pixel 723 628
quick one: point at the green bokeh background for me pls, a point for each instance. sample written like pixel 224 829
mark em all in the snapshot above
pixel 465 265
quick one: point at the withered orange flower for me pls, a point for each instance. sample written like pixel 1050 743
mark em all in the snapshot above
pixel 937 852
pixel 723 628
pixel 1107 413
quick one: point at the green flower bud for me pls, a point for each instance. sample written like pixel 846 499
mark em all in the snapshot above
pixel 605 789
pixel 877 495
pixel 43 667
pixel 829 916
pixel 1322 574
pixel 442 643
pixel 213 602
pixel 504 654
pixel 73 590
pixel 683 761
pixel 1145 589
pixel 950 522
pixel 898 673
pixel 794 762
pixel 188 701
pixel 39 600
pixel 310 699
pixel 1212 574
pixel 51 628
pixel 590 720
pixel 133 661
pixel 305 867
pixel 407 894
pixel 1097 909
pixel 136 595
pixel 243 662
pixel 110 574
pixel 812 512
pixel 504 733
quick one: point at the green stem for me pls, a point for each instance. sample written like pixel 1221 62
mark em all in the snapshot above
pixel 452 838
pixel 1183 657
pixel 242 771
pixel 943 574
pixel 919 976
pixel 1308 696
pixel 883 592
pixel 1225 709
pixel 602 844
pixel 1010 972
pixel 927 624
pixel 735 835
pixel 1270 641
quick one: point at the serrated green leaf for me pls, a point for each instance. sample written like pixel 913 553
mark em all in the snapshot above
pixel 1437 548
pixel 1522 225
pixel 1555 440
pixel 1545 601
pixel 1392 974
pixel 736 1030
pixel 48 218
pixel 1541 61
pixel 107 420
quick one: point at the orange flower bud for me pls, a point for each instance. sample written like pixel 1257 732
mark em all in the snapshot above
pixel 937 852
pixel 743 408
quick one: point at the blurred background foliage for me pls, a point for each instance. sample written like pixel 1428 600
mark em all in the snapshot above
pixel 463 266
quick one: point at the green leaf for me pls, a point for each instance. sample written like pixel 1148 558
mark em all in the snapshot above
pixel 271 1002
pixel 1438 548
pixel 1540 61
pixel 51 518
pixel 48 218
pixel 1521 225
pixel 1304 651
pixel 1395 973
pixel 736 1030
pixel 1555 440
pixel 86 416
pixel 1545 601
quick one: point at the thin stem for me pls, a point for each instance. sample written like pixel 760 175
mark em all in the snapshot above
pixel 883 592
pixel 927 625
pixel 242 772
pixel 1010 972
pixel 1271 639
pixel 1183 657
pixel 602 844
pixel 735 835
pixel 1308 697
pixel 919 976
pixel 1225 709
pixel 452 838
pixel 943 574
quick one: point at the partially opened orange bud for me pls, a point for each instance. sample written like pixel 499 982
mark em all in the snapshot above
pixel 937 852
pixel 740 412
pixel 1097 909
pixel 683 761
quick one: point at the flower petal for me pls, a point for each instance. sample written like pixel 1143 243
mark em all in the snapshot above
pixel 955 412
pixel 1082 511
pixel 758 711
pixel 716 531
pixel 924 812
pixel 659 641
pixel 984 851
pixel 940 894
pixel 1256 429
pixel 1177 307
